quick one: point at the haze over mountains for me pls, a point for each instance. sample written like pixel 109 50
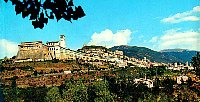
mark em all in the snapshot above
pixel 166 56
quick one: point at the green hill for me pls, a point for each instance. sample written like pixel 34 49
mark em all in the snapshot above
pixel 163 56
pixel 183 54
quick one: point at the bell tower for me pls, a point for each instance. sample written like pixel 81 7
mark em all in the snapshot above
pixel 62 41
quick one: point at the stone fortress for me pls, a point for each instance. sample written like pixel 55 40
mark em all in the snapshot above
pixel 37 51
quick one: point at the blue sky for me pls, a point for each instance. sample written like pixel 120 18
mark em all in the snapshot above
pixel 156 24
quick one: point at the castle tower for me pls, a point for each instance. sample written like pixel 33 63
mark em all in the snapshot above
pixel 62 41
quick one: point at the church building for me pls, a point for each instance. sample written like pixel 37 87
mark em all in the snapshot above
pixel 37 51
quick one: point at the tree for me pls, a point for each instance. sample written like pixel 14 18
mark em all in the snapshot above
pixel 14 87
pixel 34 94
pixel 10 93
pixel 189 82
pixel 101 92
pixel 35 73
pixel 156 88
pixel 196 63
pixel 168 85
pixel 40 11
pixel 76 92
pixel 53 95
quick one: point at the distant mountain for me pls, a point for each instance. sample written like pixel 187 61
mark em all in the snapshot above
pixel 174 50
pixel 167 56
pixel 183 54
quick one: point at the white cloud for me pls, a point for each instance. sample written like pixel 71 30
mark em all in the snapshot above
pixel 192 15
pixel 175 38
pixel 196 9
pixel 154 39
pixel 8 48
pixel 108 38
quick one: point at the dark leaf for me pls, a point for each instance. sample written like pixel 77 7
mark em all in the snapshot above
pixel 41 25
pixel 35 24
pixel 75 16
pixel 25 13
pixel 41 15
pixel 70 11
pixel 6 1
pixel 70 3
pixel 33 17
pixel 58 8
pixel 67 17
pixel 18 9
pixel 79 11
pixel 51 15
pixel 15 2
pixel 37 4
pixel 45 20
pixel 47 4
pixel 58 15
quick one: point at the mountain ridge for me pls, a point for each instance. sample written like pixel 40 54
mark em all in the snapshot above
pixel 175 50
pixel 166 56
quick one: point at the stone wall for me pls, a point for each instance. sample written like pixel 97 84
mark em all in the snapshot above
pixel 34 54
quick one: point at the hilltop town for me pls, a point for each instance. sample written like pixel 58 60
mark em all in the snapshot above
pixel 95 55
pixel 51 64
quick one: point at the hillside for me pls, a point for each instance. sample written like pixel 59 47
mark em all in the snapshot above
pixel 174 50
pixel 166 56
pixel 183 54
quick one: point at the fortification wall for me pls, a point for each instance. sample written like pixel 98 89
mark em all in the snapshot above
pixel 34 54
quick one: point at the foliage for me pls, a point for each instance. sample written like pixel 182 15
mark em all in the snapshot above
pixel 35 73
pixel 1 68
pixel 75 91
pixel 20 94
pixel 156 90
pixel 127 90
pixel 8 94
pixel 40 11
pixel 196 63
pixel 36 94
pixel 99 92
pixel 27 68
pixel 168 85
pixel 53 95
pixel 111 88
pixel 1 61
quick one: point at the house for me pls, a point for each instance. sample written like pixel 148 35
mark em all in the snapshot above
pixel 148 82
pixel 181 79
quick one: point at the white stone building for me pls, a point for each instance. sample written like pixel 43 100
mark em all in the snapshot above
pixel 56 49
